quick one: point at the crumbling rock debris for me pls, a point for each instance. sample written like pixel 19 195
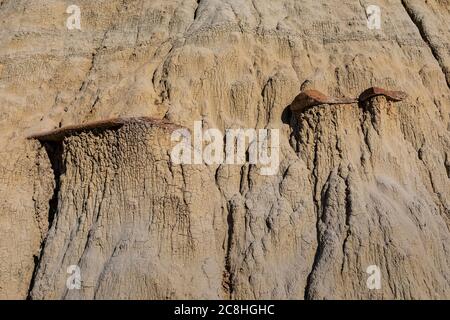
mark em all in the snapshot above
pixel 376 91
pixel 311 98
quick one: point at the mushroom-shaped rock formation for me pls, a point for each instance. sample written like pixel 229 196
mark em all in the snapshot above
pixel 311 98
pixel 114 123
pixel 390 95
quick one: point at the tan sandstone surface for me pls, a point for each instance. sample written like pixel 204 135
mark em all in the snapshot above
pixel 359 184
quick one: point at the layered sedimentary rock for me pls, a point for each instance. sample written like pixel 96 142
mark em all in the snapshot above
pixel 359 184
pixel 374 205
pixel 391 95
pixel 132 219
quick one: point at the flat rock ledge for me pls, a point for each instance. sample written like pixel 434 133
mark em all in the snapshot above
pixel 395 96
pixel 113 123
pixel 311 98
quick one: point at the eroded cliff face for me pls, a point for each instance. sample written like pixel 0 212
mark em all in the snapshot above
pixel 358 184
pixel 133 220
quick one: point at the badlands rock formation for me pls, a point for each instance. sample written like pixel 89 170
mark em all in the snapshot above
pixel 359 184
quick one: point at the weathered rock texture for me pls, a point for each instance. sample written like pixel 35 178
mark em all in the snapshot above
pixel 358 184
